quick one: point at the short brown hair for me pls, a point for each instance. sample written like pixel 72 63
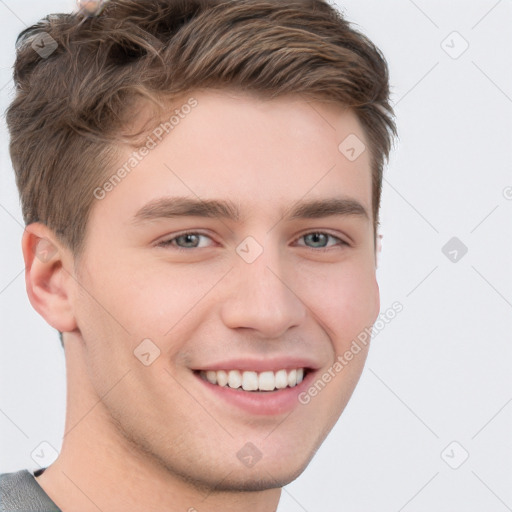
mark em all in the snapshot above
pixel 72 106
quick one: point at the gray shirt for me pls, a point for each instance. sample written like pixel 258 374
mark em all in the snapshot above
pixel 20 492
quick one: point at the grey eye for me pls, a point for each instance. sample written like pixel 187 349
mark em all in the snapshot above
pixel 317 239
pixel 189 240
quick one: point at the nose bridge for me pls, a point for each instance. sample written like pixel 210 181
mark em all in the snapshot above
pixel 261 298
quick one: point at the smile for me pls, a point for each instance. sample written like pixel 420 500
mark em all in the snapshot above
pixel 254 381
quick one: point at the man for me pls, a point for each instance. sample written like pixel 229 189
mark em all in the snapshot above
pixel 201 184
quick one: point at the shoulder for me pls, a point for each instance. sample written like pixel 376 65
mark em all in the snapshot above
pixel 20 491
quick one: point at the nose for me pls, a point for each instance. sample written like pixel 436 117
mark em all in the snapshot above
pixel 263 297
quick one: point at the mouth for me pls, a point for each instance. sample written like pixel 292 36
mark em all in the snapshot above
pixel 260 392
pixel 253 381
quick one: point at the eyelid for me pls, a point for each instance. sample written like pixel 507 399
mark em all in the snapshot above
pixel 167 241
pixel 340 240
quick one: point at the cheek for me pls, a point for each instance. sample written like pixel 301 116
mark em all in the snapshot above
pixel 160 302
pixel 166 297
pixel 345 302
pixel 147 296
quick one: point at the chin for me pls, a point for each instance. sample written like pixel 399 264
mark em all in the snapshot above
pixel 257 479
pixel 219 478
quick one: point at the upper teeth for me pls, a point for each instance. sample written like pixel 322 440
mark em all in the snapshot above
pixel 254 381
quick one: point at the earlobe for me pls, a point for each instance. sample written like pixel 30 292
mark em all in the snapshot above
pixel 47 279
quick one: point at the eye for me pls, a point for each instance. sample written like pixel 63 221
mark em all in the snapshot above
pixel 195 240
pixel 319 240
pixel 186 241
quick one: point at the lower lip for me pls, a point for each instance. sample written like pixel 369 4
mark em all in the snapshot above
pixel 265 403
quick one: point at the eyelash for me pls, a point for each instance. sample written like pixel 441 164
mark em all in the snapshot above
pixel 168 242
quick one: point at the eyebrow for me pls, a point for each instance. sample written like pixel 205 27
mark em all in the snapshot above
pixel 172 207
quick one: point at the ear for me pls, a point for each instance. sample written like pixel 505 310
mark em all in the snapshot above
pixel 48 264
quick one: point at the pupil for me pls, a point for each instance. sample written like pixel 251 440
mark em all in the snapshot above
pixel 318 239
pixel 189 240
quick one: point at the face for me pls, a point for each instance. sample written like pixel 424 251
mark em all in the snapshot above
pixel 237 253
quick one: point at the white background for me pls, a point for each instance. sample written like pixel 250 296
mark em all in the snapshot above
pixel 440 371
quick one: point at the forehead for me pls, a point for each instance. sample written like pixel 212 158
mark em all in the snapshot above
pixel 256 152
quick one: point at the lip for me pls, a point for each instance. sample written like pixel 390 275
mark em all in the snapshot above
pixel 261 403
pixel 262 365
